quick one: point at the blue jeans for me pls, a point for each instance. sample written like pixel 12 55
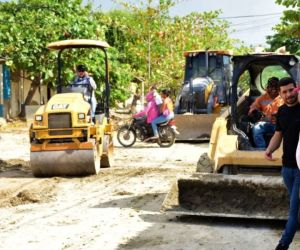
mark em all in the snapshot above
pixel 291 178
pixel 259 130
pixel 93 102
pixel 160 119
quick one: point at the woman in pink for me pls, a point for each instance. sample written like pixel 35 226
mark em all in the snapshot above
pixel 151 110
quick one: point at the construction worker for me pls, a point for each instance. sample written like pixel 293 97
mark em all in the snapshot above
pixel 287 130
pixel 268 105
pixel 82 78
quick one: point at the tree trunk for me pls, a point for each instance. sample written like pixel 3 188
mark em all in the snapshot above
pixel 34 86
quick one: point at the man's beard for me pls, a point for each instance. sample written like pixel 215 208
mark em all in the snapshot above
pixel 291 100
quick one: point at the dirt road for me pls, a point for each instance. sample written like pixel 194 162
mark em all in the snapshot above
pixel 117 209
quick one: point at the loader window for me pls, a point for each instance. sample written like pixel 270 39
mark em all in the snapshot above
pixel 226 60
pixel 272 71
pixel 244 81
pixel 215 69
pixel 195 67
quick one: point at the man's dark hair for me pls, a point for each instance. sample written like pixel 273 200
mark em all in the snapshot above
pixel 286 81
pixel 165 92
pixel 273 82
pixel 81 68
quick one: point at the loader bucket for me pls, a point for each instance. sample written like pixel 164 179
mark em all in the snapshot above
pixel 237 196
pixel 194 127
pixel 64 163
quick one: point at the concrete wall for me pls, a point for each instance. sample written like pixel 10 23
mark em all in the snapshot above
pixel 15 100
pixel 19 90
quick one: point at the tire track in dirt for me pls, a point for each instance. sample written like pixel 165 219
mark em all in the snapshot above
pixel 18 186
pixel 87 212
pixel 113 179
pixel 29 191
pixel 136 204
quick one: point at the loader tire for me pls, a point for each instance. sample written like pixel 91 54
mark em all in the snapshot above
pixel 204 164
pixel 229 170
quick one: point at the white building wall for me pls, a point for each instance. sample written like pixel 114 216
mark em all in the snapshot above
pixel 19 90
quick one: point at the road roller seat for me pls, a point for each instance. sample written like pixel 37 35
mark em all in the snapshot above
pixel 84 89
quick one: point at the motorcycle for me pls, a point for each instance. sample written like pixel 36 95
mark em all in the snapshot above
pixel 139 129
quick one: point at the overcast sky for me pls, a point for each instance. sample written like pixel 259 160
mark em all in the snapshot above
pixel 251 30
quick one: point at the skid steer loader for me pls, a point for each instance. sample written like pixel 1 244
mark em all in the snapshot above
pixel 234 179
pixel 204 93
pixel 64 139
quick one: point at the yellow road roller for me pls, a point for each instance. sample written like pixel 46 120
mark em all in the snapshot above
pixel 64 139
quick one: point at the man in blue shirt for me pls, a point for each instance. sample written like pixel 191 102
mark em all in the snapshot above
pixel 83 78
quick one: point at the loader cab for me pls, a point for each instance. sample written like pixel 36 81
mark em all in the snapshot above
pixel 206 80
pixel 252 72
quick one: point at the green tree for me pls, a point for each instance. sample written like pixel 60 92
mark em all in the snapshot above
pixel 154 42
pixel 27 26
pixel 287 32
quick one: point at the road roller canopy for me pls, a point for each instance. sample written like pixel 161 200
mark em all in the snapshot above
pixel 82 44
pixel 77 43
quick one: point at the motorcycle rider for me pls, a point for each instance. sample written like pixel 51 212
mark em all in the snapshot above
pixel 151 110
pixel 167 113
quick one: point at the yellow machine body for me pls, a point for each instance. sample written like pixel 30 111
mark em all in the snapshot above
pixel 65 141
pixel 202 97
pixel 233 179
pixel 236 187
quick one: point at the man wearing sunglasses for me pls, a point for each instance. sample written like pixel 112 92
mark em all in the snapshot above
pixel 82 78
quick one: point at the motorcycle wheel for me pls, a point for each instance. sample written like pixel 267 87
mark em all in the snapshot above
pixel 166 137
pixel 139 134
pixel 126 136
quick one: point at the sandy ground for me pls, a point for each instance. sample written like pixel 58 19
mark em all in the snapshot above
pixel 117 209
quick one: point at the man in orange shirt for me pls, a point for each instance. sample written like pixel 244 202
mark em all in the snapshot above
pixel 268 104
